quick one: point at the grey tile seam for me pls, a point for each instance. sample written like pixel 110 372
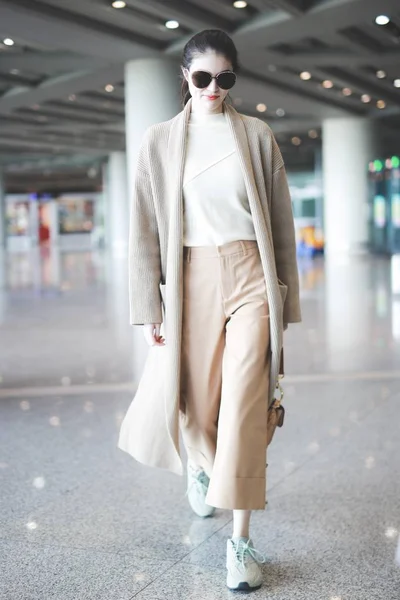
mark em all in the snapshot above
pixel 298 379
pixel 181 560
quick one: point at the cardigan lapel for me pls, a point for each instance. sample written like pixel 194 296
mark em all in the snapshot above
pixel 174 288
pixel 262 228
pixel 176 154
pixel 176 160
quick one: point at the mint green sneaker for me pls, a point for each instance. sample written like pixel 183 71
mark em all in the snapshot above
pixel 243 564
pixel 197 487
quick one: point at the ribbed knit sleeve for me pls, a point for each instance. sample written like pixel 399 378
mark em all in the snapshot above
pixel 144 248
pixel 283 234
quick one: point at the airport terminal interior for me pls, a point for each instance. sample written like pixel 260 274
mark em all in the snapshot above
pixel 80 83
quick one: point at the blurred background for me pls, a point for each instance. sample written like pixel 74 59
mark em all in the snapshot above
pixel 80 82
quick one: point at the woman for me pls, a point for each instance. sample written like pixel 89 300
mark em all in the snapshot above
pixel 212 266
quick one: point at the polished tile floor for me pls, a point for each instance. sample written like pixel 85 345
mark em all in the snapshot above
pixel 80 520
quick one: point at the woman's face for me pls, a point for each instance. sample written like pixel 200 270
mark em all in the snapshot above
pixel 208 99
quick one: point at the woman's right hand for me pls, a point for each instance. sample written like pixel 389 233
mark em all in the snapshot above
pixel 152 335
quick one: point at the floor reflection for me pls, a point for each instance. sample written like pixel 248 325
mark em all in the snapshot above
pixel 78 514
pixel 65 320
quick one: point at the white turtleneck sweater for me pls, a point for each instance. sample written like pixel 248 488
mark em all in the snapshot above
pixel 216 208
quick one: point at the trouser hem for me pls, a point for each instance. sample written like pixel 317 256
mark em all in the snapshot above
pixel 237 493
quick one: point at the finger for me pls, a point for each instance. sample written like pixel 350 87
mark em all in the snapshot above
pixel 152 335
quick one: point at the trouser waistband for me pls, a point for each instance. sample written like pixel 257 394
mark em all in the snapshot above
pixel 190 252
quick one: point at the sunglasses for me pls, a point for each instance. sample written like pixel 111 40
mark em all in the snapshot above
pixel 225 80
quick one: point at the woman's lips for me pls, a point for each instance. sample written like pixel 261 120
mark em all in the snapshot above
pixel 212 97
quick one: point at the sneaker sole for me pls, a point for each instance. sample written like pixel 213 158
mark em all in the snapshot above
pixel 245 587
pixel 207 516
pixel 203 516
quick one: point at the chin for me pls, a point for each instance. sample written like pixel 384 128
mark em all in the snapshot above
pixel 213 105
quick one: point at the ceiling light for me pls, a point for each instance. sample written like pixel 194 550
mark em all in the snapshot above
pixel 109 88
pixel 15 71
pixel 313 134
pixel 280 112
pixel 382 20
pixel 240 4
pixel 172 24
pixel 396 83
pixel 346 92
pixel 305 75
pixel 365 98
pixel 72 97
pixel 8 42
pixel 381 104
pixel 327 84
pixel 118 4
pixel 261 107
pixel 296 141
pixel 381 74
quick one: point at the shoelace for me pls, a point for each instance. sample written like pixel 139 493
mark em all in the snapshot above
pixel 244 548
pixel 201 480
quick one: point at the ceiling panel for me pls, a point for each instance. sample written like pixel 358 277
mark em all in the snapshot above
pixel 52 81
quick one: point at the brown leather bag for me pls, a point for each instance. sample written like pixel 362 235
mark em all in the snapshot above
pixel 276 412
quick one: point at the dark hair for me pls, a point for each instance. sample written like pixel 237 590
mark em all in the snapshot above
pixel 210 39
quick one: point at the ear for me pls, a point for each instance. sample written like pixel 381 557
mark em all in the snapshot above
pixel 185 73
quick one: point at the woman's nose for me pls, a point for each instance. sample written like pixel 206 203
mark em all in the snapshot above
pixel 213 87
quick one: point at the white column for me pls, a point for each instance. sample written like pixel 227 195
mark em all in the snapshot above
pixel 318 178
pixel 348 145
pixel 54 258
pixel 3 233
pixel 348 311
pixel 33 231
pixel 117 199
pixel 152 95
pixel 3 246
pixel 54 222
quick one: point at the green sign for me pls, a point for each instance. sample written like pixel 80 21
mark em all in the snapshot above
pixel 395 162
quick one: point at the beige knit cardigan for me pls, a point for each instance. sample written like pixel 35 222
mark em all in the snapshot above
pixel 150 429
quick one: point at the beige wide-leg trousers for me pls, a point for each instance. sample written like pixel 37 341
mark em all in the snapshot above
pixel 225 371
